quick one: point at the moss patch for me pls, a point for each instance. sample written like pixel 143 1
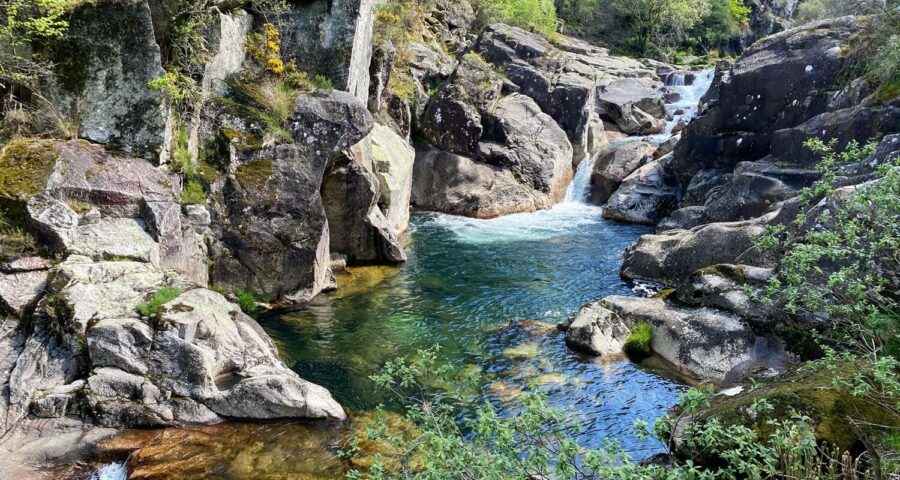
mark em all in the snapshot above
pixel 637 345
pixel 25 166
pixel 254 174
pixel 810 392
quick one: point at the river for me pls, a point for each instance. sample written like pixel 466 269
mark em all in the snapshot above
pixel 490 292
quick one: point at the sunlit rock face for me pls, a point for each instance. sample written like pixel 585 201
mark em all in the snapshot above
pixel 102 67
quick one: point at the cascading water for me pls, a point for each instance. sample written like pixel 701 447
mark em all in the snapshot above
pixel 111 471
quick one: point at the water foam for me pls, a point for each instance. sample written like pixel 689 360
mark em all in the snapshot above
pixel 111 471
pixel 574 211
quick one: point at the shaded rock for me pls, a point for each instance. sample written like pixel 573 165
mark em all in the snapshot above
pixel 596 330
pixel 615 163
pixel 644 197
pixel 272 234
pixel 702 184
pixel 747 195
pixel 702 342
pixel 722 286
pixel 672 256
pixel 350 194
pixel 745 107
pixel 101 70
pixel 454 184
pixel 684 218
pixel 861 124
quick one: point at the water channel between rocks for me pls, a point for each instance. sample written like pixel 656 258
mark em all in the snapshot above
pixel 490 292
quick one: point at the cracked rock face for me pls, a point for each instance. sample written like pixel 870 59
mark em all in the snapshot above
pixel 198 361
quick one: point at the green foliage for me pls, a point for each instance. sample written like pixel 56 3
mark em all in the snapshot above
pixel 838 266
pixel 537 441
pixel 637 344
pixel 193 193
pixel 149 308
pixel 247 301
pixel 21 23
pixel 538 16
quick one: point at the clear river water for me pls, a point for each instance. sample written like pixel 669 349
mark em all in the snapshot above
pixel 490 292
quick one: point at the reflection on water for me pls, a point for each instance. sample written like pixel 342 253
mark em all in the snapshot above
pixel 490 292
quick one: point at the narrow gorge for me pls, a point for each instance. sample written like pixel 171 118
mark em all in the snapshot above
pixel 440 239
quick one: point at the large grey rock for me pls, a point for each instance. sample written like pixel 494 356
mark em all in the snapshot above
pixel 705 343
pixel 615 163
pixel 271 229
pixel 633 106
pixel 746 107
pixel 597 330
pixel 101 70
pixel 644 197
pixel 521 138
pixel 454 184
pixel 672 256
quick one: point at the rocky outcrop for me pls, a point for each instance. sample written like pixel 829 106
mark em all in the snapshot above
pixel 471 117
pixel 196 360
pixel 101 71
pixel 271 226
pixel 89 202
pixel 449 183
pixel 562 78
pixel 615 163
pixel 701 342
pixel 746 108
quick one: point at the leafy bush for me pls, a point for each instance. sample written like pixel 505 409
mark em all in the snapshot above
pixel 164 295
pixel 247 301
pixel 193 193
pixel 538 440
pixel 538 16
pixel 637 344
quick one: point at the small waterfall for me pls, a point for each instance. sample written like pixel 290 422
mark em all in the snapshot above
pixel 676 80
pixel 111 471
pixel 578 189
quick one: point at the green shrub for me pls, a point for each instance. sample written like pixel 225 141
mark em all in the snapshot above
pixel 247 301
pixel 538 16
pixel 637 344
pixel 193 193
pixel 164 295
pixel 218 289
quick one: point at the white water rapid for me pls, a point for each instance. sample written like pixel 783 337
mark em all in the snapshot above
pixel 574 211
pixel 111 471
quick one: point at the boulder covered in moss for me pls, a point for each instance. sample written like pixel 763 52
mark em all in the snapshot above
pixel 836 415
